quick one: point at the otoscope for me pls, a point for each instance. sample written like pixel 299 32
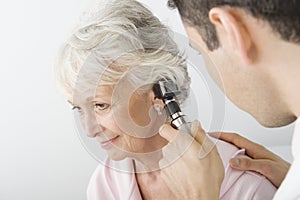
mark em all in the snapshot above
pixel 167 90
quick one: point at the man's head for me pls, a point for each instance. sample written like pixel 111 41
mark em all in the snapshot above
pixel 283 16
pixel 251 44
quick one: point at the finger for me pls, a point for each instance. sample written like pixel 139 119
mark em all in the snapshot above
pixel 261 166
pixel 273 170
pixel 198 132
pixel 253 149
pixel 168 132
pixel 201 138
pixel 231 138
pixel 215 134
pixel 179 142
pixel 184 141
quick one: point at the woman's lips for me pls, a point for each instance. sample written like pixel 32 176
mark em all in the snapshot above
pixel 107 143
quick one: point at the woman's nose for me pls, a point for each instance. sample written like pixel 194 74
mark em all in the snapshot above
pixel 91 125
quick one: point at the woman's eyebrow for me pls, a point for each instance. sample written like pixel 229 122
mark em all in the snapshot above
pixel 94 98
pixel 70 102
pixel 104 97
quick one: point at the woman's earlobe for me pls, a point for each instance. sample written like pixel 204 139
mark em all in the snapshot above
pixel 158 108
pixel 157 103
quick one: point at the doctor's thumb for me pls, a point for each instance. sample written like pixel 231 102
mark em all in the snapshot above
pixel 168 132
pixel 244 163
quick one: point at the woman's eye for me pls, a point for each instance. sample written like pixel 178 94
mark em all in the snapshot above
pixel 101 106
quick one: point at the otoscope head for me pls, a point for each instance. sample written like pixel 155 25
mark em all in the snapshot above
pixel 165 89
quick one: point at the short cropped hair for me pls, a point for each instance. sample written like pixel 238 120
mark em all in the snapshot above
pixel 122 35
pixel 283 16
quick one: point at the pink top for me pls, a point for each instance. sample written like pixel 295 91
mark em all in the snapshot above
pixel 107 183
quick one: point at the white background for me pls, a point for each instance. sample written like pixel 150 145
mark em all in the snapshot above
pixel 40 154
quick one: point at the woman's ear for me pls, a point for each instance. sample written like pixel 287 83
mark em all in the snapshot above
pixel 231 27
pixel 156 101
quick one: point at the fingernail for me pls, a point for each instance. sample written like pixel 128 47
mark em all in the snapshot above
pixel 235 162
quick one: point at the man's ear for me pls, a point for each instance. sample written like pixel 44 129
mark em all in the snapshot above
pixel 228 25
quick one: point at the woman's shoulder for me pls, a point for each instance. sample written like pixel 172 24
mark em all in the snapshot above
pixel 228 151
pixel 112 180
pixel 242 184
pixel 98 186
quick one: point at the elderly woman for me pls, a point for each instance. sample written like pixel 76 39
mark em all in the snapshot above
pixel 107 71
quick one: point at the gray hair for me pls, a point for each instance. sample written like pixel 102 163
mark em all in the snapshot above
pixel 111 41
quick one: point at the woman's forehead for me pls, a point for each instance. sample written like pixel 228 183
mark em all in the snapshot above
pixel 103 92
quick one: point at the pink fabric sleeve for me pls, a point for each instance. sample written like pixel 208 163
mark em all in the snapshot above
pixel 265 190
pixel 242 184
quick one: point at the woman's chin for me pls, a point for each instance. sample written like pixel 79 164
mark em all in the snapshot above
pixel 116 159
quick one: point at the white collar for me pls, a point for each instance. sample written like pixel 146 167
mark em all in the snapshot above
pixel 296 140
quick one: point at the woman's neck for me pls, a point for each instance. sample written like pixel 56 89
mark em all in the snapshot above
pixel 148 160
pixel 152 186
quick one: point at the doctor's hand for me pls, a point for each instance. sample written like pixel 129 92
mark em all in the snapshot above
pixel 191 167
pixel 262 160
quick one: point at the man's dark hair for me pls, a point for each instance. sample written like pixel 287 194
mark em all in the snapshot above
pixel 282 15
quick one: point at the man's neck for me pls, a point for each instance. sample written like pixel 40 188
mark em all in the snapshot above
pixel 285 69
